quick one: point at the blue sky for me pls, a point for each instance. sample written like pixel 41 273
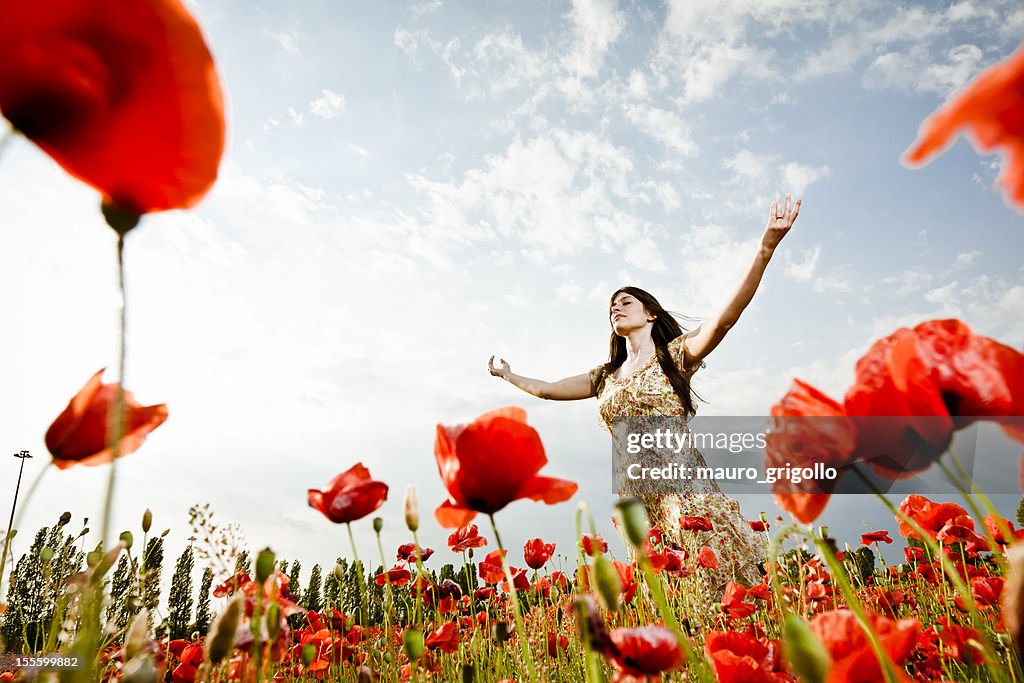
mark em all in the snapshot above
pixel 409 188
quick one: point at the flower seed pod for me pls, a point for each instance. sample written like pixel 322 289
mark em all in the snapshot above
pixel 804 652
pixel 634 520
pixel 147 521
pixel 339 572
pixel 308 654
pixel 413 642
pixel 126 538
pixel 222 634
pixel 412 509
pixel 609 585
pixel 378 524
pixel 46 554
pixel 273 617
pixel 264 565
pixel 64 519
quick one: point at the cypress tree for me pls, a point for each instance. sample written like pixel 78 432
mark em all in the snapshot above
pixel 120 584
pixel 22 626
pixel 242 563
pixel 153 563
pixel 179 601
pixel 203 616
pixel 332 589
pixel 312 599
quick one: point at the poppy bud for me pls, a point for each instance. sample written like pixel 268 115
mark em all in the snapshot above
pixel 138 634
pixel 412 509
pixel 1013 595
pixel 339 572
pixel 119 219
pixel 46 554
pixel 824 530
pixel 64 519
pixel 105 562
pixel 308 654
pixel 608 583
pixel 264 565
pixel 222 634
pixel 378 524
pixel 127 538
pixel 147 521
pixel 763 517
pixel 413 642
pixel 273 618
pixel 634 520
pixel 165 532
pixel 804 652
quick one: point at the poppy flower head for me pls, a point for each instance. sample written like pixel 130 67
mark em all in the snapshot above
pixel 991 108
pixel 79 435
pixel 124 95
pixel 351 495
pixel 491 462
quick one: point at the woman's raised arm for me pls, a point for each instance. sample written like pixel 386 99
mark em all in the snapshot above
pixel 568 389
pixel 713 331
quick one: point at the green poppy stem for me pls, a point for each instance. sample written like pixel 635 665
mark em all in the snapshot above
pixel 116 415
pixel 17 523
pixel 359 568
pixel 520 629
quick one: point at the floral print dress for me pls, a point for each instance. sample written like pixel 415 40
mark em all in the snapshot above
pixel 648 393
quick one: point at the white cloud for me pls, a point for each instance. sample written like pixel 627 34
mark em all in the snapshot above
pixel 295 116
pixel 664 126
pixel 796 177
pixel 596 26
pixel 288 40
pixel 915 70
pixel 803 270
pixel 328 105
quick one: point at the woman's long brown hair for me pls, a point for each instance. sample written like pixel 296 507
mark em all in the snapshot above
pixel 665 329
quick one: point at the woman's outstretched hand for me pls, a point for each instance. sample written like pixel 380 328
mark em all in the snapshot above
pixel 780 220
pixel 503 370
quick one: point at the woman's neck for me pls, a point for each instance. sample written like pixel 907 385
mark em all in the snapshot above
pixel 639 345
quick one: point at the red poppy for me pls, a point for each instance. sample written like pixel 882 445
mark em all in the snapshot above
pixel 706 558
pixel 79 434
pixel 733 601
pixel 644 651
pixel 396 576
pixel 692 523
pixel 594 544
pixel 627 580
pixel 491 569
pixel 930 516
pixel 991 108
pixel 536 553
pixel 807 426
pixel 465 538
pixel 123 95
pixel 875 537
pixel 491 462
pixel 351 495
pixel 445 638
pixel 556 643
pixel 992 525
pixel 740 658
pixel 853 659
pixel 759 526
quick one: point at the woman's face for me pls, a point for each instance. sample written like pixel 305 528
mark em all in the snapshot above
pixel 627 314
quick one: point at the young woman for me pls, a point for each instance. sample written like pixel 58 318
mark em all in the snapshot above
pixel 648 374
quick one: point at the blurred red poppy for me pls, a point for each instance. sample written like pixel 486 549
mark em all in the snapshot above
pixel 536 553
pixel 807 426
pixel 124 95
pixel 644 651
pixel 491 569
pixel 79 435
pixel 396 576
pixel 706 558
pixel 740 658
pixel 465 538
pixel 853 659
pixel 594 544
pixel 991 108
pixel 930 516
pixel 491 462
pixel 351 495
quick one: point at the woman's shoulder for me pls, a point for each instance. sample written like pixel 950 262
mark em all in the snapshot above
pixel 677 351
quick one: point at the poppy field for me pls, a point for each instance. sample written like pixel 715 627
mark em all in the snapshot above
pixel 827 610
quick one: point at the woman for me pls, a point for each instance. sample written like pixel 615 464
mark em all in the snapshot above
pixel 648 375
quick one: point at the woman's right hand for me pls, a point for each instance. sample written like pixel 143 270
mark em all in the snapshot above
pixel 503 370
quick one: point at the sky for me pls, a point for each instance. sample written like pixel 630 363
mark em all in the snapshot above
pixel 409 188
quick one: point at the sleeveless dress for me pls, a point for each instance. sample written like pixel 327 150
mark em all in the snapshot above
pixel 648 393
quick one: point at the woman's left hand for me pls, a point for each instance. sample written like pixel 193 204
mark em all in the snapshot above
pixel 780 220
